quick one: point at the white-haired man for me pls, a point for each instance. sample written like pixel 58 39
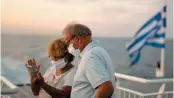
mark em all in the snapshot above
pixel 95 75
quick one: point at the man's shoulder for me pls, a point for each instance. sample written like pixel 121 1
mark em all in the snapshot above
pixel 98 50
pixel 95 52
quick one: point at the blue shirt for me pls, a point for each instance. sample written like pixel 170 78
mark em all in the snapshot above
pixel 94 69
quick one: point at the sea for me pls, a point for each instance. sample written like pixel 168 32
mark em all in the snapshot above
pixel 16 49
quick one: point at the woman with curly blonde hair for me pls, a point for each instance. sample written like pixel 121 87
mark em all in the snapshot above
pixel 58 79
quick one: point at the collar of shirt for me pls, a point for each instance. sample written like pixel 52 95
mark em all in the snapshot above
pixel 89 46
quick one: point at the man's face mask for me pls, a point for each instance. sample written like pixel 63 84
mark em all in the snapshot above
pixel 59 63
pixel 73 51
pixel 76 53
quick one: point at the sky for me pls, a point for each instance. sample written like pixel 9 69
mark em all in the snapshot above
pixel 113 18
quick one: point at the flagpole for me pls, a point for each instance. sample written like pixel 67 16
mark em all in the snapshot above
pixel 162 63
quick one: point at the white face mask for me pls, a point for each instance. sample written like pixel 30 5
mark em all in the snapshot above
pixel 76 53
pixel 72 50
pixel 59 64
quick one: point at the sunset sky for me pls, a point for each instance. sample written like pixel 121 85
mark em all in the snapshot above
pixel 104 17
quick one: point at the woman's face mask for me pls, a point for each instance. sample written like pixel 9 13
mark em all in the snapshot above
pixel 59 63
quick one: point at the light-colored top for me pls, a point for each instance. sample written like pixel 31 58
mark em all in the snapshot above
pixel 65 79
pixel 94 69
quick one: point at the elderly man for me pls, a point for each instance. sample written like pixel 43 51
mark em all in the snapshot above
pixel 95 75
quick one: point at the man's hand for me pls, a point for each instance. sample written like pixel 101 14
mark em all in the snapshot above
pixel 105 90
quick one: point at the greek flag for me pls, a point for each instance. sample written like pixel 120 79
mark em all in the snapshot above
pixel 152 33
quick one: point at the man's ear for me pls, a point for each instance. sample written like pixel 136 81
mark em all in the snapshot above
pixel 80 39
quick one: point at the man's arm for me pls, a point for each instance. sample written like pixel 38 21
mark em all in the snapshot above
pixel 105 90
pixel 98 76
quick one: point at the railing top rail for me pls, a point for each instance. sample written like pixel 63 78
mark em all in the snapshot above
pixel 142 94
pixel 12 88
pixel 131 91
pixel 151 94
pixel 142 80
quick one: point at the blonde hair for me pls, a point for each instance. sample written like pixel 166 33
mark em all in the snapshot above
pixel 60 48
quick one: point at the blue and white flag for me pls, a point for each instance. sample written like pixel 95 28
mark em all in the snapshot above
pixel 151 33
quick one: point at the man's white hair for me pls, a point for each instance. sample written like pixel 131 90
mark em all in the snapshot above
pixel 76 29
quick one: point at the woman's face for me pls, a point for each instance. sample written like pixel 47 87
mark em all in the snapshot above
pixel 53 56
pixel 56 60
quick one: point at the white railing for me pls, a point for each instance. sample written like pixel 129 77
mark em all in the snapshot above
pixel 142 80
pixel 129 93
pixel 12 89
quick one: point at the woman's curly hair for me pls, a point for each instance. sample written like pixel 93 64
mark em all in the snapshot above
pixel 60 47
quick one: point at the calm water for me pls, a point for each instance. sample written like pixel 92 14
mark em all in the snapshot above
pixel 15 49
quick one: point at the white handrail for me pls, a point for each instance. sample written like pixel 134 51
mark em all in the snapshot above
pixel 131 91
pixel 166 92
pixel 142 80
pixel 13 89
pixel 142 94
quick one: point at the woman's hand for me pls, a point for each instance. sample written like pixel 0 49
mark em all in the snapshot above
pixel 40 79
pixel 37 79
pixel 34 79
pixel 32 63
pixel 35 87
